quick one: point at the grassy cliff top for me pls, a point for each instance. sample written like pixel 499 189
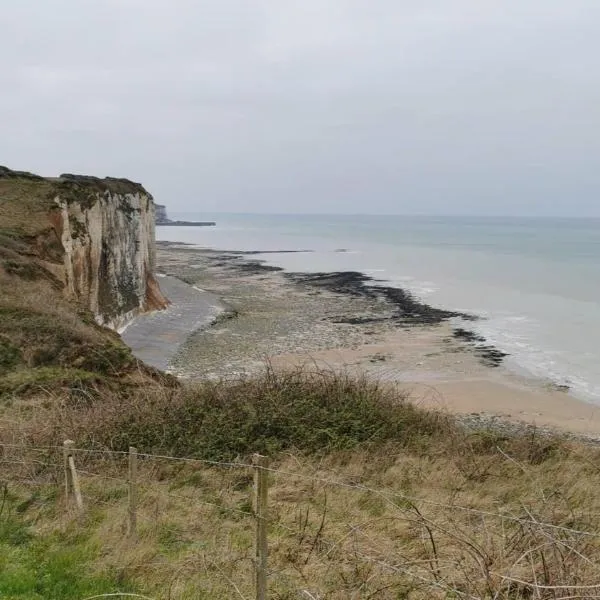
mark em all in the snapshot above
pixel 47 341
pixel 26 200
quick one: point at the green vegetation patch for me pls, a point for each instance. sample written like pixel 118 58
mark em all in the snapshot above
pixel 77 228
pixel 313 412
pixel 25 269
pixel 10 355
pixel 25 204
pixel 46 340
pixel 7 233
pixel 50 566
pixel 23 380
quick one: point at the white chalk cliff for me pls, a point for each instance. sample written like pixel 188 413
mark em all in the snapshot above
pixel 98 240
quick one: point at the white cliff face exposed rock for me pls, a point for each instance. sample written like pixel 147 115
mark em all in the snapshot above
pixel 95 236
pixel 108 241
pixel 109 255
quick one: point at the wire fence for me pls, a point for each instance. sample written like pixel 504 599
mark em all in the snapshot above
pixel 252 530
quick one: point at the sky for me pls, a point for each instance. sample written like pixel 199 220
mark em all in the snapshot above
pixel 480 107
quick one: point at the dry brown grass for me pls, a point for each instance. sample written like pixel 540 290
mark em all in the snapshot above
pixel 390 524
pixel 446 514
pixel 24 205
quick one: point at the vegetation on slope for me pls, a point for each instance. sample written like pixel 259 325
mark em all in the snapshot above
pixel 371 496
pixel 46 343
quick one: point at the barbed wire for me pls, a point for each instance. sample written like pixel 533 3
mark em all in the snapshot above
pixel 29 463
pixel 388 495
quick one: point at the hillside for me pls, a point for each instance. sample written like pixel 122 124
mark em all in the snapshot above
pixel 370 496
pixel 75 253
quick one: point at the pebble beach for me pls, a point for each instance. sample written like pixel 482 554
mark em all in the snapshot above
pixel 231 315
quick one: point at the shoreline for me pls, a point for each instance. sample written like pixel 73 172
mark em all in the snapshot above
pixel 346 320
pixel 155 337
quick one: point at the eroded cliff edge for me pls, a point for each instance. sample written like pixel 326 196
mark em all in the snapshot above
pixel 94 237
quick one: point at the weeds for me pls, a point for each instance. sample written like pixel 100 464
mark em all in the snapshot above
pixel 310 412
pixel 332 532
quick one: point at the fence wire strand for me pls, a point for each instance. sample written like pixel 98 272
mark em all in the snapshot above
pixel 388 495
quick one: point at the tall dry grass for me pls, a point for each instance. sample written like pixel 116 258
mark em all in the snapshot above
pixel 370 496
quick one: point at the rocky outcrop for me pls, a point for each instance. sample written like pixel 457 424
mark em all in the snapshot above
pixel 95 236
pixel 163 220
pixel 161 214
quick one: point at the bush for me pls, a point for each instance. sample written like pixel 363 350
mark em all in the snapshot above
pixel 309 411
pixel 20 381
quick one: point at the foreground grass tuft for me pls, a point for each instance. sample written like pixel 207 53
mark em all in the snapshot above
pixel 54 565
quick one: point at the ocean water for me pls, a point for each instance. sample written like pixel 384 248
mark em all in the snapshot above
pixel 534 282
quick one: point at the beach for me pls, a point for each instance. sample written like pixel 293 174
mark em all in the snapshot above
pixel 250 314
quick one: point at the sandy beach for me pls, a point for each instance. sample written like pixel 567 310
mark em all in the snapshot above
pixel 249 313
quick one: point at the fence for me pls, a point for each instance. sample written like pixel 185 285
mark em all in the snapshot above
pixel 286 533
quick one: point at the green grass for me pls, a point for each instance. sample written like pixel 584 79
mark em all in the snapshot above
pixel 23 380
pixel 10 355
pixel 25 269
pixel 54 566
pixel 42 345
pixel 25 205
pixel 36 571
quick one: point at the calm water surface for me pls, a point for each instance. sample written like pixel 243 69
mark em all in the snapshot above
pixel 536 281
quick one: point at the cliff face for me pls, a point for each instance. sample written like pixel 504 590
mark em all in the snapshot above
pixel 95 236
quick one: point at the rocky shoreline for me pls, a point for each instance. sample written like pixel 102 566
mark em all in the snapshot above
pixel 321 311
pixel 408 311
pixel 349 321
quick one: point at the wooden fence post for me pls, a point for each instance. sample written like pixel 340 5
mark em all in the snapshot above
pixel 261 492
pixel 76 487
pixel 67 445
pixel 71 477
pixel 132 493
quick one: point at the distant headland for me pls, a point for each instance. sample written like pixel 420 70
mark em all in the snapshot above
pixel 163 220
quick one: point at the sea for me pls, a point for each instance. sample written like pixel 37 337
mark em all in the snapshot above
pixel 535 282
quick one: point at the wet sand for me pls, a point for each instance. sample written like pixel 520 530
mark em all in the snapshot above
pixel 156 337
pixel 340 323
pixel 449 379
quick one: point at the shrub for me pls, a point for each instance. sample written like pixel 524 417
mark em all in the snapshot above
pixel 310 411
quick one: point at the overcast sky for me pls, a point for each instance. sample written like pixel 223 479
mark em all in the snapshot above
pixel 355 106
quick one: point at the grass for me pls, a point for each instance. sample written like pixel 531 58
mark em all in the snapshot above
pixel 385 522
pixel 22 381
pixel 307 412
pixel 370 497
pixel 24 206
pixel 40 566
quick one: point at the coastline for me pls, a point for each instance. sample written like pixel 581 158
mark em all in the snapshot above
pixel 155 337
pixel 327 320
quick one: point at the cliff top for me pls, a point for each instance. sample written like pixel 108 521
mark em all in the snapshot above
pixel 26 198
pixel 115 185
pixel 47 339
pixel 118 185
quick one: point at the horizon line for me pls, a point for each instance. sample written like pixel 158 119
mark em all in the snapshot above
pixel 412 215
